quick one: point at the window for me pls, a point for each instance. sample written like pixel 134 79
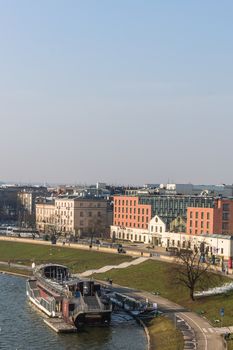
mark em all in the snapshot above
pixel 221 250
pixel 225 207
pixel 225 216
pixel 201 224
pixel 81 213
pixel 196 215
pixel 208 216
pixel 195 223
pixel 191 223
pixel 161 229
pixel 202 215
pixel 191 214
pixel 208 224
pixel 225 226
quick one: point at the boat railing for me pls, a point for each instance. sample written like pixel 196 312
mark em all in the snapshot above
pixel 49 305
pixel 50 286
pixel 81 305
pixel 101 305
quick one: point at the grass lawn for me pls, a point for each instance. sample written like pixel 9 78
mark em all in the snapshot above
pixel 77 260
pixel 155 276
pixel 230 345
pixel 164 335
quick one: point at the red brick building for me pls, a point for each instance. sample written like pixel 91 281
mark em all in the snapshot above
pixel 129 213
pixel 218 219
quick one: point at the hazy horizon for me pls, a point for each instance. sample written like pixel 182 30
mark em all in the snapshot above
pixel 120 92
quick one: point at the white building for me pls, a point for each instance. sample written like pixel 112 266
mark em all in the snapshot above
pixel 156 234
pixel 130 234
pixel 220 245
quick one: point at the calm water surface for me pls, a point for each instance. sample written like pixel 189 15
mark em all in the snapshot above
pixel 22 327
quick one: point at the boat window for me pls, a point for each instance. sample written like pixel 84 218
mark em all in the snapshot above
pixel 71 307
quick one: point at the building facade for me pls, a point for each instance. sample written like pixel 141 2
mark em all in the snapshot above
pixel 74 215
pixel 81 216
pixel 45 216
pixel 218 220
pixel 128 212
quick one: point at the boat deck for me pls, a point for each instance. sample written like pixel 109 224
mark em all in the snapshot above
pixel 60 326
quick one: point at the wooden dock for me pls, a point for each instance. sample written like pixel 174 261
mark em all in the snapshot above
pixel 59 326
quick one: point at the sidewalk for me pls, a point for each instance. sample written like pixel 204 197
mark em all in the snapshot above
pixel 110 267
pixel 197 331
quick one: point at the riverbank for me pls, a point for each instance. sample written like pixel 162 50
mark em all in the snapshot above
pixel 77 260
pixel 164 335
pixel 15 272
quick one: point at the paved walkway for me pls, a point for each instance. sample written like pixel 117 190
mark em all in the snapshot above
pixel 197 332
pixel 110 267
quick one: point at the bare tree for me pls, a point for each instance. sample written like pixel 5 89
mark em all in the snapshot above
pixel 191 270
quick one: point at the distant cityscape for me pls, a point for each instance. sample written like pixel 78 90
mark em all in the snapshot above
pixel 168 215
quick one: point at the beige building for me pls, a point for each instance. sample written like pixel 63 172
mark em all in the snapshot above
pixel 45 219
pixel 74 215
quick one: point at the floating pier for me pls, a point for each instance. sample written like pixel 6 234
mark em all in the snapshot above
pixel 59 325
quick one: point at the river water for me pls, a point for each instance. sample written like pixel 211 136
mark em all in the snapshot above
pixel 22 327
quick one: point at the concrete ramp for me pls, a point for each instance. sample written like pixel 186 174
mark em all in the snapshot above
pixel 110 267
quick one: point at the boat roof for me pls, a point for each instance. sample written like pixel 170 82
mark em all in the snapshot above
pixel 42 266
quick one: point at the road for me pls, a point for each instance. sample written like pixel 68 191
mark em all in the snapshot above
pixel 197 332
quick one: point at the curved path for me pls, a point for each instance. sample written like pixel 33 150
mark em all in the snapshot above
pixel 110 267
pixel 198 333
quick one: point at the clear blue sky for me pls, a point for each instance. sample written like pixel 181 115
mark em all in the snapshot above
pixel 118 91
